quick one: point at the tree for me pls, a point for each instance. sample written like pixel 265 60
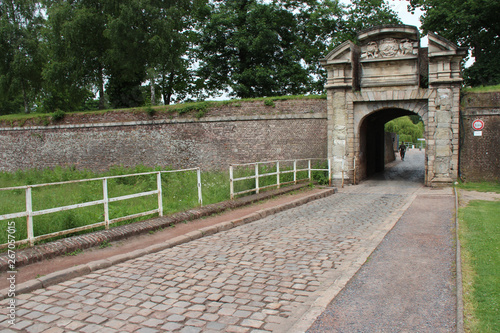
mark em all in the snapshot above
pixel 472 24
pixel 251 48
pixel 121 43
pixel 76 47
pixel 22 59
pixel 406 128
pixel 171 35
pixel 264 48
pixel 363 14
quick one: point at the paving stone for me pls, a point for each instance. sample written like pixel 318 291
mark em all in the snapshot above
pixel 196 323
pixel 226 312
pixel 95 319
pixel 252 323
pixel 190 329
pixel 176 318
pixel 75 325
pixel 48 318
pixel 116 324
pixel 20 325
pixel 137 319
pixel 147 330
pixel 152 322
pixel 237 329
pixel 169 327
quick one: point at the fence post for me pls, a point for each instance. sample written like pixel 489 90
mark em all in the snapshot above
pixel 309 170
pixel 278 173
pixel 231 183
pixel 106 202
pixel 200 197
pixel 257 178
pixel 330 172
pixel 354 172
pixel 29 216
pixel 160 196
pixel 295 171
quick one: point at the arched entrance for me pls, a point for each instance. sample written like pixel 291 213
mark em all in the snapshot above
pixel 385 75
pixel 373 146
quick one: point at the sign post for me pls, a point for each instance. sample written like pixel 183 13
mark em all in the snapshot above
pixel 477 126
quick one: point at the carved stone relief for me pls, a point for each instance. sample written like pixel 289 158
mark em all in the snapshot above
pixel 388 48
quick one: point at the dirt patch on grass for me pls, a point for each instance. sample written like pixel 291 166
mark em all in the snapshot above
pixel 466 196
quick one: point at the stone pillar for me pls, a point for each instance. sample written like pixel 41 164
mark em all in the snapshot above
pixel 444 113
pixel 337 132
pixel 340 69
pixel 443 135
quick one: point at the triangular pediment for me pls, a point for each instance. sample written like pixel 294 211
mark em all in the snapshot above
pixel 439 44
pixel 341 53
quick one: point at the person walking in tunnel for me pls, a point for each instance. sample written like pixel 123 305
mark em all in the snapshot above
pixel 402 151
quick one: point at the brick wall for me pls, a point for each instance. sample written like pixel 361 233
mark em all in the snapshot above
pixel 480 155
pixel 233 133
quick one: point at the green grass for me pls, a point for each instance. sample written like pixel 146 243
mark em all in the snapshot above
pixel 480 247
pixel 480 186
pixel 482 89
pixel 179 193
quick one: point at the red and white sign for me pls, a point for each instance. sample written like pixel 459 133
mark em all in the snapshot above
pixel 478 124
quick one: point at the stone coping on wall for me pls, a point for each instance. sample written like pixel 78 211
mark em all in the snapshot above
pixel 172 121
pixel 480 103
pixel 71 244
pixel 187 112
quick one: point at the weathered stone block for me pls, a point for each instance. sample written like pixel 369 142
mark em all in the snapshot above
pixel 443 117
pixel 443 134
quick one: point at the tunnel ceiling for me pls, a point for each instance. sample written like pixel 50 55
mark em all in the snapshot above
pixel 385 115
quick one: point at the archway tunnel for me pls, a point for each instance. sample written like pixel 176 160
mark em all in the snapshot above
pixel 372 140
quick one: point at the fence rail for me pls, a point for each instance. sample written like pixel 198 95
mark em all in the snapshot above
pixel 257 175
pixel 29 213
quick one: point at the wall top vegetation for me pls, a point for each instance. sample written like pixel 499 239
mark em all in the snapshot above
pixel 197 112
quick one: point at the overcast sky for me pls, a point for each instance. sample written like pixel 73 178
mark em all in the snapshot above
pixel 401 8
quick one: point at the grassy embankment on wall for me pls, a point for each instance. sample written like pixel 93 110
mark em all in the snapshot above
pixel 196 109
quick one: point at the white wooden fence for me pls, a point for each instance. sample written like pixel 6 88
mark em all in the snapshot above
pixel 29 213
pixel 278 172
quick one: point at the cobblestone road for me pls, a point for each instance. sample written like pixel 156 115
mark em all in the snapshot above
pixel 266 276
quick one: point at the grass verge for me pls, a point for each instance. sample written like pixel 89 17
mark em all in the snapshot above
pixel 480 186
pixel 480 247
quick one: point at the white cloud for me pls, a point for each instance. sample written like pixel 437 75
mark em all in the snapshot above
pixel 401 8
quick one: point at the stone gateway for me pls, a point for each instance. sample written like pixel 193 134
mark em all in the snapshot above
pixel 386 75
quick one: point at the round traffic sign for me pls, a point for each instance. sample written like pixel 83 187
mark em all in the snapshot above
pixel 478 124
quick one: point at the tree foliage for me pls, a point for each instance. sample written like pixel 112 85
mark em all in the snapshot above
pixel 60 54
pixel 257 49
pixel 20 66
pixel 407 128
pixel 472 24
